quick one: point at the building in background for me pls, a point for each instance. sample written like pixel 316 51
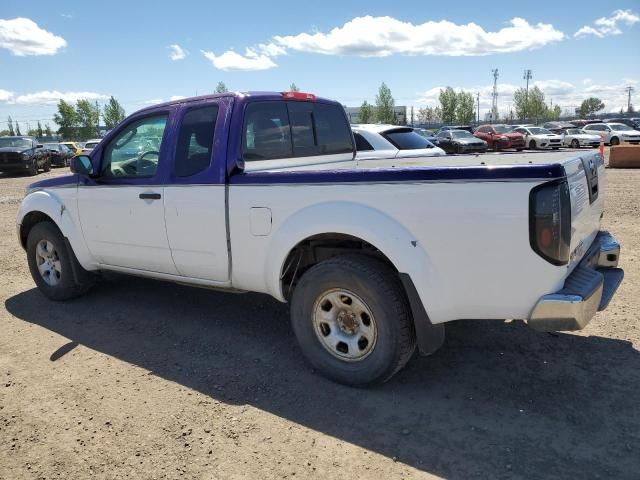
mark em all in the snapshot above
pixel 400 113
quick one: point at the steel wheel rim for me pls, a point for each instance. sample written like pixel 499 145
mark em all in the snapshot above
pixel 344 325
pixel 48 263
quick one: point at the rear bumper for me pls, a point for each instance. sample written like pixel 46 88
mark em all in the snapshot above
pixel 588 290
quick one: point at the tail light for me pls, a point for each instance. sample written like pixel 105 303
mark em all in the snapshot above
pixel 550 221
pixel 299 96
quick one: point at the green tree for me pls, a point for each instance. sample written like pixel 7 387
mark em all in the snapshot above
pixel 293 88
pixel 67 119
pixel 448 102
pixel 557 111
pixel 221 88
pixel 530 106
pixel 47 130
pixel 366 113
pixel 465 111
pixel 113 113
pixel 590 106
pixel 18 132
pixel 39 129
pixel 10 123
pixel 87 117
pixel 384 105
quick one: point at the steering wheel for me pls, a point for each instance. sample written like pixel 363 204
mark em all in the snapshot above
pixel 148 152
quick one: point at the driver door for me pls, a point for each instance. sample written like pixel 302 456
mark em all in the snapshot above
pixel 122 211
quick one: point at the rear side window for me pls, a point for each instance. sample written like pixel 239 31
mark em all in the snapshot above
pixel 267 134
pixel 275 130
pixel 362 144
pixel 406 139
pixel 195 141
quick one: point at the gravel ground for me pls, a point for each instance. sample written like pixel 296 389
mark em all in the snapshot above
pixel 143 379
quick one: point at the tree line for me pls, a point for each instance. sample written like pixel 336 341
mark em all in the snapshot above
pixel 82 120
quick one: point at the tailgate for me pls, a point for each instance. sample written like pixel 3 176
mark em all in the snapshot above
pixel 586 180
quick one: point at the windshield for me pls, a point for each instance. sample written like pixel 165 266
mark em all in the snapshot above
pixel 503 128
pixel 15 142
pixel 461 134
pixel 619 126
pixel 539 131
pixel 90 144
pixel 51 146
pixel 406 139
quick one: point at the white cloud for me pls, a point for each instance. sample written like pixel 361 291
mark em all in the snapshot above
pixel 605 26
pixel 230 60
pixel 177 52
pixel 22 36
pixel 152 101
pixel 382 36
pixel 66 15
pixel 565 94
pixel 176 97
pixel 47 97
pixel 5 95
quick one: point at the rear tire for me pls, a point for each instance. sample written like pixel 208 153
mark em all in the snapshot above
pixel 457 148
pixel 352 320
pixel 52 265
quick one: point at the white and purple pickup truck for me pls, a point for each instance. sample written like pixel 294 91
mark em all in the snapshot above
pixel 262 192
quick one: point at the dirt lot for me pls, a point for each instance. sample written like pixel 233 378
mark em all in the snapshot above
pixel 142 379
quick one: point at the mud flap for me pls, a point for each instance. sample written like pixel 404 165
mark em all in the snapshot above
pixel 429 337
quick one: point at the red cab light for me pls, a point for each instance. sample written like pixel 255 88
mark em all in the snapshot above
pixel 299 96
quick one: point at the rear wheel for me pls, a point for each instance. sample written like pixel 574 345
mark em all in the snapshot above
pixel 351 318
pixel 457 148
pixel 52 265
pixel 575 143
pixel 532 145
pixel 496 146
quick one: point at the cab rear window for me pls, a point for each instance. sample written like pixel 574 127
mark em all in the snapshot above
pixel 275 130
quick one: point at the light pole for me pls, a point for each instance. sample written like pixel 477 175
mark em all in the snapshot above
pixel 527 76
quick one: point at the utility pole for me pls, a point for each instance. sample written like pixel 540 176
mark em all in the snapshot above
pixel 478 103
pixel 412 116
pixel 527 76
pixel 494 95
pixel 629 91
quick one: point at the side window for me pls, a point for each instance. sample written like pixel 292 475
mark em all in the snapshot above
pixel 266 133
pixel 195 141
pixel 361 143
pixel 333 131
pixel 443 134
pixel 136 149
pixel 483 130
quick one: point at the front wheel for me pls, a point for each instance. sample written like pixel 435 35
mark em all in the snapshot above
pixel 52 265
pixel 47 166
pixel 575 143
pixel 33 168
pixel 615 141
pixel 532 145
pixel 351 318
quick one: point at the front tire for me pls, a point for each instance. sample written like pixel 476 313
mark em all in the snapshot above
pixel 47 166
pixel 32 171
pixel 532 145
pixel 615 141
pixel 50 264
pixel 352 320
pixel 575 143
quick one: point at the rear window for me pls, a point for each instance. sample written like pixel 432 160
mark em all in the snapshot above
pixel 362 144
pixel 406 139
pixel 275 130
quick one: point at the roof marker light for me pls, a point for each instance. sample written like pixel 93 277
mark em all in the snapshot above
pixel 299 96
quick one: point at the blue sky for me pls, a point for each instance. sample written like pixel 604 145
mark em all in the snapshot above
pixel 341 50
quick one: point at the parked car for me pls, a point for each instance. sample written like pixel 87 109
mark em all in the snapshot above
pixel 556 127
pixel 500 137
pixel 73 146
pixel 614 133
pixel 576 138
pixel 582 123
pixel 261 192
pixel 428 134
pixel 89 145
pixel 374 141
pixel 468 128
pixel 460 141
pixel 537 137
pixel 630 122
pixel 59 154
pixel 23 154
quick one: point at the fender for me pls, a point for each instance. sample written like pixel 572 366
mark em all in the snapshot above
pixel 59 204
pixel 371 225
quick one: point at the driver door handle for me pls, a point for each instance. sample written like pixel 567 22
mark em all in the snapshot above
pixel 150 196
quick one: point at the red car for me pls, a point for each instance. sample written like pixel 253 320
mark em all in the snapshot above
pixel 500 137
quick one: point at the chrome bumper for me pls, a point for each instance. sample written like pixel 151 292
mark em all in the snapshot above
pixel 588 290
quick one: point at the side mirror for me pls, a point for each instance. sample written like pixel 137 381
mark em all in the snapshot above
pixel 81 164
pixel 448 137
pixel 39 145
